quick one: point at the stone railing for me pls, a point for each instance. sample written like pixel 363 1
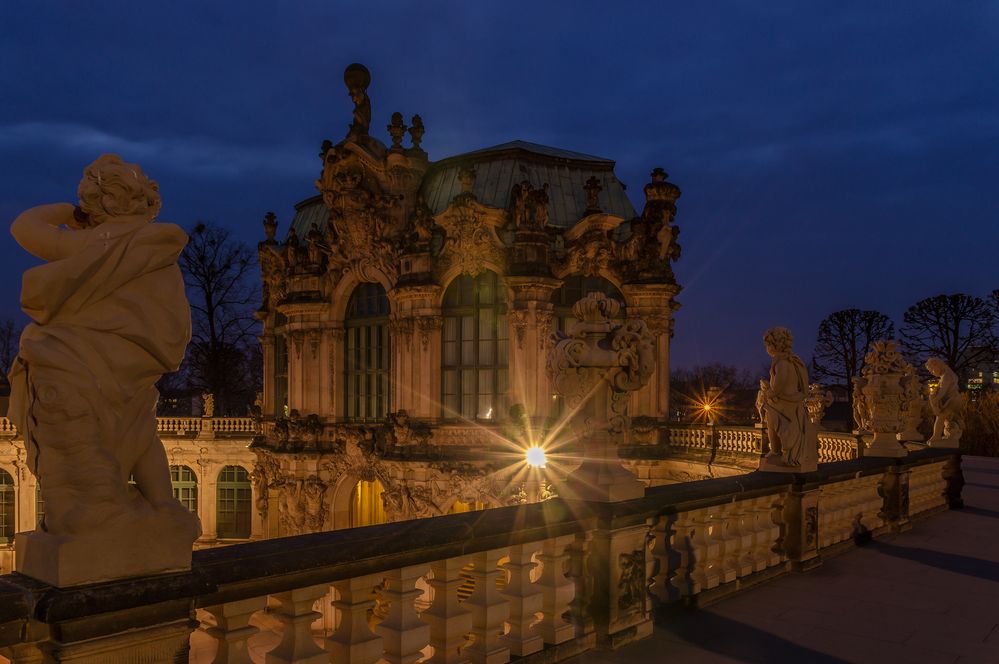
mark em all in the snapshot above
pixel 741 446
pixel 542 581
pixel 183 427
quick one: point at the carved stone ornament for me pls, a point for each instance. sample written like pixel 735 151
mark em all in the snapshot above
pixel 428 325
pixel 529 206
pixel 647 254
pixel 913 405
pixel 816 402
pixel 471 242
pixel 518 319
pixel 883 395
pixel 596 367
pixel 948 406
pixel 110 317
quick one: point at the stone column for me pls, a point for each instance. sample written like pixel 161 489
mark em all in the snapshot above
pixel 530 314
pixel 416 325
pixel 654 304
pixel 267 350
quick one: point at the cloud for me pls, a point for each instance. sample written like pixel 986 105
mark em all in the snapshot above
pixel 198 156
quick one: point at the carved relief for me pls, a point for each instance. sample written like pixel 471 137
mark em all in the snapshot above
pixel 518 319
pixel 631 583
pixel 470 241
pixel 647 254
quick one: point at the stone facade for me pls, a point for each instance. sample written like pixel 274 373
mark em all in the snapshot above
pixel 409 310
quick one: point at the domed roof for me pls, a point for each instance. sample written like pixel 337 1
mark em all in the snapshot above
pixel 500 167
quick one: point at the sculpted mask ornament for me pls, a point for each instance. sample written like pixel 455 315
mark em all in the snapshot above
pixel 596 367
pixel 109 318
pixel 793 442
pixel 948 405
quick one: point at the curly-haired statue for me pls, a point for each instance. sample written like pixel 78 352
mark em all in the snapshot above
pixel 793 446
pixel 948 406
pixel 109 318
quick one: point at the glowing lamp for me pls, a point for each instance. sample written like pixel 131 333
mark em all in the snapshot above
pixel 536 457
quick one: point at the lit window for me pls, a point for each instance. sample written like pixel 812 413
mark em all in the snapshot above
pixel 366 505
pixel 6 507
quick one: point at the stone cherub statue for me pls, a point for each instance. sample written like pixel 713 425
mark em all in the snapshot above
pixel 947 404
pixel 109 318
pixel 357 79
pixel 793 443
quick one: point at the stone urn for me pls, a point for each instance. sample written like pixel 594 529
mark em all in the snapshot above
pixel 913 405
pixel 884 395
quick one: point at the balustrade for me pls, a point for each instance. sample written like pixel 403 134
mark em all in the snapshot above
pixel 527 573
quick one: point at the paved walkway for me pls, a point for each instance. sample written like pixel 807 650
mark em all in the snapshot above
pixel 928 595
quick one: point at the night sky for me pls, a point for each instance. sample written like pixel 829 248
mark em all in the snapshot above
pixel 831 155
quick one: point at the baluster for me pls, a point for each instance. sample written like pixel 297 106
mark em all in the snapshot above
pixel 353 641
pixel 404 634
pixel 725 526
pixel 706 550
pixel 525 601
pixel 490 609
pixel 686 557
pixel 771 531
pixel 557 590
pixel 665 555
pixel 232 629
pixel 296 615
pixel 449 621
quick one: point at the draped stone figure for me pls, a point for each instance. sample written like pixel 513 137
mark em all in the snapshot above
pixel 947 404
pixel 109 317
pixel 792 439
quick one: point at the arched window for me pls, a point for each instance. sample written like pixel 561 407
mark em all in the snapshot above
pixel 366 506
pixel 233 506
pixel 460 507
pixel 185 486
pixel 574 289
pixel 7 524
pixel 280 367
pixel 366 354
pixel 474 358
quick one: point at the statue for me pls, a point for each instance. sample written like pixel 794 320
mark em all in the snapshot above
pixel 913 404
pixel 207 405
pixel 357 78
pixel 947 404
pixel 861 413
pixel 109 318
pixel 816 402
pixel 793 442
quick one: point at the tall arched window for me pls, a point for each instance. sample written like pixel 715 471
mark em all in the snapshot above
pixel 474 358
pixel 7 524
pixel 233 505
pixel 366 354
pixel 366 506
pixel 185 486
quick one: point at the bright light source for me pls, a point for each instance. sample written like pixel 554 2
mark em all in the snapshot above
pixel 706 407
pixel 536 457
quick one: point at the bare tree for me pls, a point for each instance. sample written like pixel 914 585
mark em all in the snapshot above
pixel 736 391
pixel 10 335
pixel 844 338
pixel 958 328
pixel 223 288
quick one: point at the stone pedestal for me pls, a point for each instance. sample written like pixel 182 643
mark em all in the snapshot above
pixel 801 528
pixel 619 600
pixel 140 544
pixel 601 477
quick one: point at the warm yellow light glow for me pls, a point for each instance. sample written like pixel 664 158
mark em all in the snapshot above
pixel 536 457
pixel 706 407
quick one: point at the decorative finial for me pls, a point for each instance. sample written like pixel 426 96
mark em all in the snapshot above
pixel 357 78
pixel 397 129
pixel 660 189
pixel 270 226
pixel 593 189
pixel 416 131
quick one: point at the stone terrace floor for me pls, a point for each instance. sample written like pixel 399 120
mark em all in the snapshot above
pixel 928 595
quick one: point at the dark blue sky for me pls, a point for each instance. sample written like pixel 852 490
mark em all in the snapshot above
pixel 831 155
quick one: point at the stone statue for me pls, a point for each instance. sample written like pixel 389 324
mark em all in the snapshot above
pixel 913 404
pixel 357 78
pixel 793 444
pixel 861 413
pixel 207 405
pixel 947 404
pixel 816 402
pixel 109 318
